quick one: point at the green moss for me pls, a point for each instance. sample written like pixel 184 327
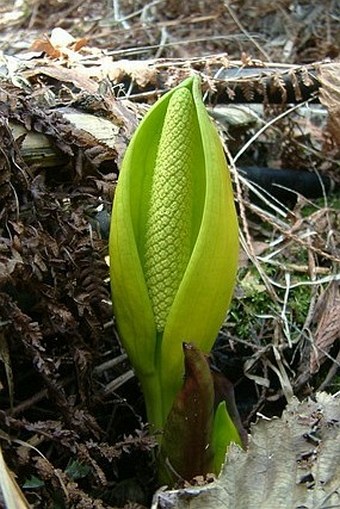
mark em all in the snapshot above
pixel 299 302
pixel 253 308
pixel 333 202
pixel 252 301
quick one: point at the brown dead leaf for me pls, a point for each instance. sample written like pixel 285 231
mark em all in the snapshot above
pixel 329 76
pixel 60 44
pixel 258 249
pixel 327 317
pixel 80 43
pixel 45 46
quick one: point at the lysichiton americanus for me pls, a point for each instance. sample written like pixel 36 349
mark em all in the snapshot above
pixel 173 243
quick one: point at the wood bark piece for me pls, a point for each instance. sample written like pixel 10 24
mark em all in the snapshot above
pixel 39 149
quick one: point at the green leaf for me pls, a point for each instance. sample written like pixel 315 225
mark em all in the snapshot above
pixel 33 482
pixel 224 433
pixel 77 470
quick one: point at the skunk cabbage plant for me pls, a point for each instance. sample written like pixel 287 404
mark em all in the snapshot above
pixel 173 243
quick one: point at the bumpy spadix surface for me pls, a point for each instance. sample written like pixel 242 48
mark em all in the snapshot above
pixel 168 229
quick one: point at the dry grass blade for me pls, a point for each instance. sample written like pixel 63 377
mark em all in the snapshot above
pixel 11 496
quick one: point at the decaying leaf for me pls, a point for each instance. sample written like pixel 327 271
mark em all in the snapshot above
pixel 291 462
pixel 5 359
pixel 327 317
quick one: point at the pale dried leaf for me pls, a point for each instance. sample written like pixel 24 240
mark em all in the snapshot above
pixel 101 128
pixel 329 76
pixel 143 73
pixel 291 462
pixel 77 77
pixel 60 38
